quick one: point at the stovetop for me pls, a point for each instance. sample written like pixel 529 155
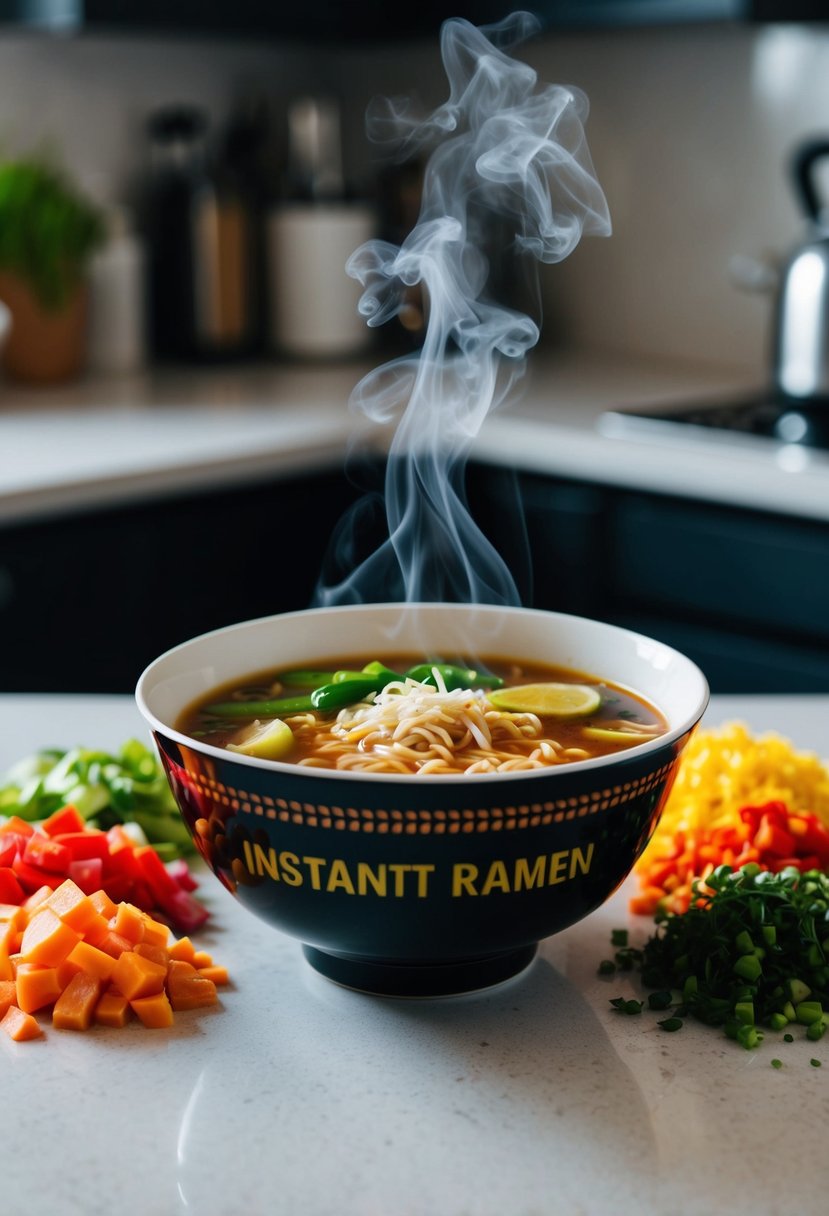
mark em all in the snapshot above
pixel 761 418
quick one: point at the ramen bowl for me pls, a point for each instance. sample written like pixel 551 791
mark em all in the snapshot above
pixel 416 885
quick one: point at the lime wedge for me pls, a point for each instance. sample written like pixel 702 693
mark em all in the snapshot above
pixel 622 738
pixel 268 740
pixel 548 700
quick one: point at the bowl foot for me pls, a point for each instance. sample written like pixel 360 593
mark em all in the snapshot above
pixel 419 979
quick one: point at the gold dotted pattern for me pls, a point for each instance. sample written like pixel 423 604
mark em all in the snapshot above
pixel 427 822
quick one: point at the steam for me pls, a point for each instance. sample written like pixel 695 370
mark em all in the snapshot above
pixel 503 148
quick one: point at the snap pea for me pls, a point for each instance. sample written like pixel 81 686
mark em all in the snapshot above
pixel 452 676
pixel 305 678
pixel 353 687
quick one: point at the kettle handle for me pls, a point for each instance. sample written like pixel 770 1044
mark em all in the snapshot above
pixel 803 162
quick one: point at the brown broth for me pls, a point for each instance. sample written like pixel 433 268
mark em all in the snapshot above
pixel 620 708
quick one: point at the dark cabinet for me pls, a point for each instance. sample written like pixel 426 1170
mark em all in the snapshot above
pixel 86 601
pixel 368 20
pixel 743 593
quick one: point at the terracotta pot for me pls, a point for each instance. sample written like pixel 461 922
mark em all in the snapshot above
pixel 44 346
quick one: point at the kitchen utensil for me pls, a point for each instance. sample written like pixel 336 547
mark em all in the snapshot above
pixel 801 346
pixel 547 845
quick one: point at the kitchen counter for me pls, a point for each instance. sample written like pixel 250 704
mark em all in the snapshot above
pixel 296 1096
pixel 108 442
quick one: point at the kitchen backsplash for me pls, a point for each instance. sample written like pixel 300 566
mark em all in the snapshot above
pixel 690 131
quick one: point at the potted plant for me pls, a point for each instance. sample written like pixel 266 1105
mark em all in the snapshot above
pixel 48 232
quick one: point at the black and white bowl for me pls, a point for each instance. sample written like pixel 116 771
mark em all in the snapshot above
pixel 424 885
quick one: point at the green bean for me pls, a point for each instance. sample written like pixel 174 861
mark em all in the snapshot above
pixel 261 709
pixel 453 677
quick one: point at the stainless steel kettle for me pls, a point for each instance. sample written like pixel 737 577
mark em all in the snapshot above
pixel 801 344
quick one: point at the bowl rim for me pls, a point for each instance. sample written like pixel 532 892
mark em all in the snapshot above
pixel 594 763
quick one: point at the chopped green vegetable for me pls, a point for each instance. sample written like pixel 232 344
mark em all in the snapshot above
pixel 625 1006
pixel 452 676
pixel 305 678
pixel 353 687
pixel 619 937
pixel 670 1024
pixel 709 953
pixel 660 1000
pixel 276 708
pixel 815 1063
pixel 777 1063
pixel 788 1038
pixel 607 967
pixel 128 786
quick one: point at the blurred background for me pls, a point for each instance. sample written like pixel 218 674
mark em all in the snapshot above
pixel 180 186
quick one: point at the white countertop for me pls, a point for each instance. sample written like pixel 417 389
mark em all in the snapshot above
pixel 111 441
pixel 299 1097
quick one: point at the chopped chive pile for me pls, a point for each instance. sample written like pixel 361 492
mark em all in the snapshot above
pixel 750 956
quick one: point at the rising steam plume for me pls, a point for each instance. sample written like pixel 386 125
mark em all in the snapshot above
pixel 502 147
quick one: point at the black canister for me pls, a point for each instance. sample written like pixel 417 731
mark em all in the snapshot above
pixel 200 236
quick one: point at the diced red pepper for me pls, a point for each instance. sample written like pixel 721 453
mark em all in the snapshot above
pixel 180 871
pixel 67 819
pixel 771 838
pixel 42 851
pixel 15 824
pixel 31 877
pixel 185 911
pixel 87 872
pixel 10 846
pixel 11 891
pixel 154 874
pixel 82 845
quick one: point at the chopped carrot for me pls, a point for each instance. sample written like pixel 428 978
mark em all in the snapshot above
pixel 113 943
pixel 183 950
pixel 36 986
pixel 19 1025
pixel 129 922
pixel 188 989
pixel 215 973
pixel 154 1011
pixel 70 946
pixel 65 971
pixel 156 954
pixel 14 914
pixel 73 907
pixel 136 976
pixel 92 960
pixel 8 995
pixel 37 898
pixel 47 939
pixel 75 1006
pixel 113 1009
pixel 103 904
pixel 96 929
pixel 155 933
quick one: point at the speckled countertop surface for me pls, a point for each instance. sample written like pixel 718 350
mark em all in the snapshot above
pixel 105 442
pixel 296 1096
